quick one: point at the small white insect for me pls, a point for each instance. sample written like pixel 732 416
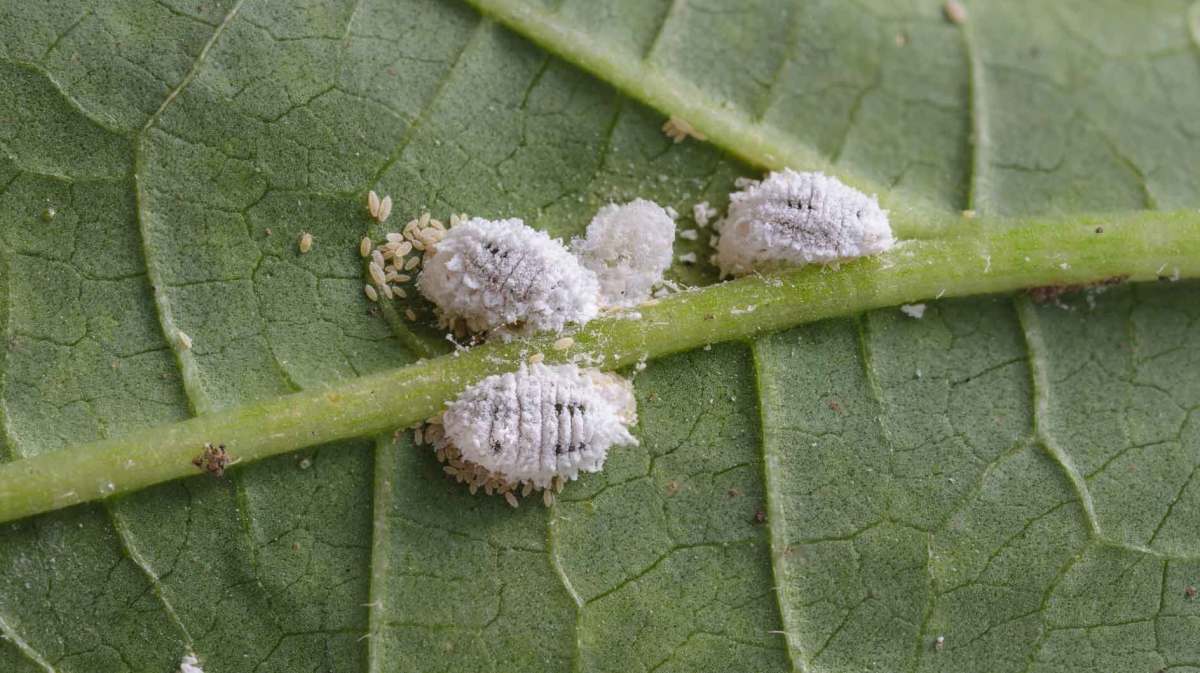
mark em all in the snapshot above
pixel 563 343
pixel 190 664
pixel 629 248
pixel 385 209
pixel 371 293
pixel 306 242
pixel 792 219
pixel 541 422
pixel 185 341
pixel 364 247
pixel 505 277
pixel 373 203
pixel 916 311
pixel 377 274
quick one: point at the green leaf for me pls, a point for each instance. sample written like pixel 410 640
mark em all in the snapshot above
pixel 1016 478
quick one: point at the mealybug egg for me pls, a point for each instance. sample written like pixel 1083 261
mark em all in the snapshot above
pixel 504 276
pixel 541 422
pixel 791 219
pixel 628 247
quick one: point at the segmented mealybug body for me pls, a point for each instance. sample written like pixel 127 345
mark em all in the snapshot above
pixel 791 219
pixel 628 247
pixel 541 422
pixel 502 275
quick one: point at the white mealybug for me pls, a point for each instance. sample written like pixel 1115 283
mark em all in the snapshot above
pixel 504 276
pixel 629 248
pixel 791 219
pixel 541 422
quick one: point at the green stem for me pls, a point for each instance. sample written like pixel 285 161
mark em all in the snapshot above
pixel 994 256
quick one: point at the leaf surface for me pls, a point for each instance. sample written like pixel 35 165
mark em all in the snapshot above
pixel 1016 478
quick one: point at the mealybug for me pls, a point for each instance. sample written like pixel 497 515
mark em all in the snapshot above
pixel 504 276
pixel 540 423
pixel 628 247
pixel 791 219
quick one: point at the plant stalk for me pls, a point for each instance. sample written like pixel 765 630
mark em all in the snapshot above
pixel 980 257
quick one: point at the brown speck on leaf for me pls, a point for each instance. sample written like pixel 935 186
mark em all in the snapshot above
pixel 1047 293
pixel 901 39
pixel 295 546
pixel 213 459
pixel 673 487
pixel 267 231
pixel 1190 592
pixel 1099 230
pixel 733 492
pixel 710 316
pixel 939 643
pixel 835 406
pixel 760 516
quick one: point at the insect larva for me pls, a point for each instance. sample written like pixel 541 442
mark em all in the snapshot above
pixel 408 313
pixel 306 242
pixel 536 358
pixel 503 274
pixel 190 664
pixel 399 291
pixel 377 274
pixel 541 422
pixel 511 499
pixel 677 129
pixel 364 247
pixel 792 219
pixel 412 263
pixel 955 12
pixel 387 291
pixel 385 209
pixel 373 203
pixel 377 257
pixel 689 234
pixel 371 293
pixel 563 343
pixel 628 247
pixel 185 341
